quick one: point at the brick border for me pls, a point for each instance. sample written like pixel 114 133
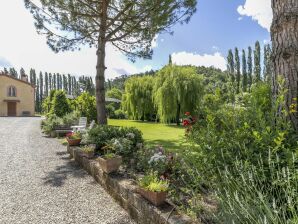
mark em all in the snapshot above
pixel 124 191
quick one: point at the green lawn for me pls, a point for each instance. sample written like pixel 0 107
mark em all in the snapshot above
pixel 169 136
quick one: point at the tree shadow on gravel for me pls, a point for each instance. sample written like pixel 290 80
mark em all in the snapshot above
pixel 60 174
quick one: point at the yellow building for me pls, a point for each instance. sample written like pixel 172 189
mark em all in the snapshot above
pixel 16 96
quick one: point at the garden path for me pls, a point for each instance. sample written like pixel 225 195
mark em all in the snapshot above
pixel 40 184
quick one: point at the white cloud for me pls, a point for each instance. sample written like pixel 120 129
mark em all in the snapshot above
pixel 259 10
pixel 23 47
pixel 186 58
pixel 240 18
pixel 154 42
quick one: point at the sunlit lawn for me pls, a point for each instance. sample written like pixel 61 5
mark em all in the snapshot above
pixel 169 136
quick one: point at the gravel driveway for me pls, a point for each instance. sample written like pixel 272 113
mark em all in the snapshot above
pixel 39 184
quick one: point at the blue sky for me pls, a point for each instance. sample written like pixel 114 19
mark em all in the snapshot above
pixel 217 26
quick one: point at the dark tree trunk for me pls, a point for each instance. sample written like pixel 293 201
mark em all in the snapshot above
pixel 178 114
pixel 100 69
pixel 284 35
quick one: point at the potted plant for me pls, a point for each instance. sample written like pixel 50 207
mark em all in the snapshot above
pixel 110 161
pixel 88 151
pixel 153 188
pixel 74 138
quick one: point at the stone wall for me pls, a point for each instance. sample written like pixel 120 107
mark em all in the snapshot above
pixel 124 191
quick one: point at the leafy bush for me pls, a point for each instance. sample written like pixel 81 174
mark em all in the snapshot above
pixel 246 153
pixel 120 114
pixel 124 139
pixel 86 104
pixel 60 104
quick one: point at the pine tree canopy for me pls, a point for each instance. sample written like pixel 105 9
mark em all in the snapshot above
pixel 128 25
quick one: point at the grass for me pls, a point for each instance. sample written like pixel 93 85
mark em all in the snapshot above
pixel 169 136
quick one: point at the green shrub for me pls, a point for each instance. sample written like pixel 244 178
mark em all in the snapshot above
pixel 245 152
pixel 127 139
pixel 120 114
pixel 86 104
pixel 60 104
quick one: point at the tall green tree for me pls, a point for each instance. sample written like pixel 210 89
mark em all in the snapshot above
pixel 46 84
pixel 231 65
pixel 37 96
pixel 69 84
pixel 13 72
pixel 177 89
pixel 244 71
pixel 267 64
pixel 257 62
pixel 237 69
pixel 22 73
pixel 249 67
pixel 55 81
pixel 41 93
pixel 130 26
pixel 65 84
pixel 50 82
pixel 138 97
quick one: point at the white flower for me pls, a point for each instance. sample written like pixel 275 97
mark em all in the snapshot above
pixel 157 157
pixel 130 135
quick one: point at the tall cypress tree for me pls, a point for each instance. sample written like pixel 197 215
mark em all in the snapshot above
pixel 249 67
pixel 69 84
pixel 46 84
pixel 237 68
pixel 50 82
pixel 37 96
pixel 231 65
pixel 257 62
pixel 55 81
pixel 65 84
pixel 13 72
pixel 22 73
pixel 5 70
pixel 31 76
pixel 41 87
pixel 244 71
pixel 268 66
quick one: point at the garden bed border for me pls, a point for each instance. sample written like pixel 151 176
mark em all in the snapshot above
pixel 124 191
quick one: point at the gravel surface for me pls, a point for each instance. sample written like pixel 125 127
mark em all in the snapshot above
pixel 40 184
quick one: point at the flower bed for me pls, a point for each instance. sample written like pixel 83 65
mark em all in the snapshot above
pixel 124 190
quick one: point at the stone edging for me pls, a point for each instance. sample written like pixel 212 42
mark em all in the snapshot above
pixel 124 191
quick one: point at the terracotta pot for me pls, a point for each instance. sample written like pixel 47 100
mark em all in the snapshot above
pixel 156 198
pixel 88 155
pixel 73 142
pixel 110 165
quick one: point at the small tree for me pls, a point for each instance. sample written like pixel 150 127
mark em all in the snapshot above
pixel 130 26
pixel 237 68
pixel 60 104
pixel 244 71
pixel 257 62
pixel 231 65
pixel 249 67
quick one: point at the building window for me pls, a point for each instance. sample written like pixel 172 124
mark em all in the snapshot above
pixel 12 91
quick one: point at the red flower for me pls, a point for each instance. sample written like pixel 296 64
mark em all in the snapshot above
pixel 186 123
pixel 187 113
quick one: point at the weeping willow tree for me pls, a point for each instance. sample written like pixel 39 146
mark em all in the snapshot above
pixel 177 90
pixel 137 99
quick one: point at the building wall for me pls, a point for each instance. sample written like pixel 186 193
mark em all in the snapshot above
pixel 25 94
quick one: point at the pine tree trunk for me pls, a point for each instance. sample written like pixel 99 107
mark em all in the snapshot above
pixel 284 35
pixel 100 69
pixel 100 79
